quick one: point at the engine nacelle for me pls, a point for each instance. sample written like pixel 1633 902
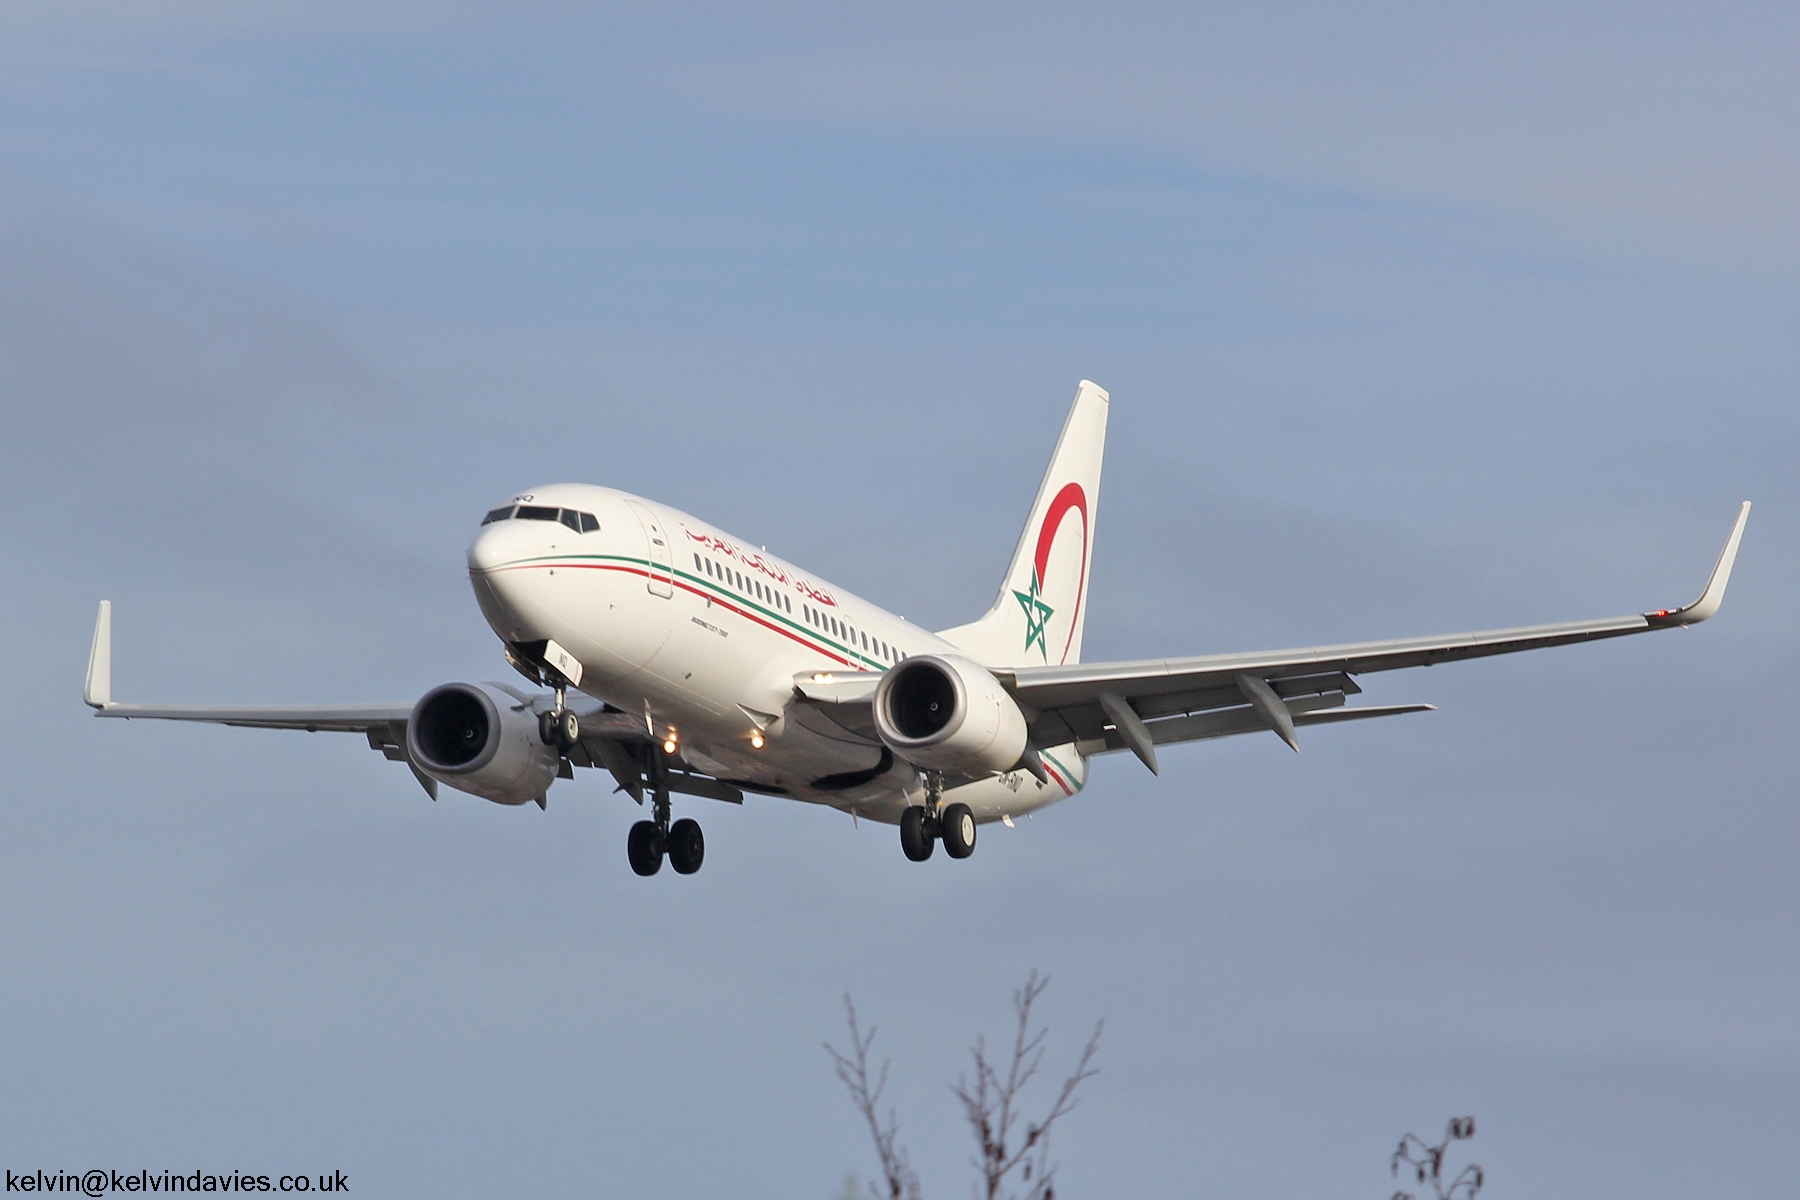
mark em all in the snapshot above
pixel 477 739
pixel 947 713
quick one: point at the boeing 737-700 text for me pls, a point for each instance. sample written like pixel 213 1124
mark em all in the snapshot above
pixel 685 661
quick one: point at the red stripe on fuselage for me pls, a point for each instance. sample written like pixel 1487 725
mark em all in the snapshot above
pixel 1060 782
pixel 686 587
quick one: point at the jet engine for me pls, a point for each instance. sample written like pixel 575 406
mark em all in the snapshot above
pixel 944 712
pixel 478 739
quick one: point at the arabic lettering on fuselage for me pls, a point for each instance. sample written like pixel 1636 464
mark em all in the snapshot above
pixel 757 562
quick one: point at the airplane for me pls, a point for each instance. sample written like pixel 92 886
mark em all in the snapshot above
pixel 684 660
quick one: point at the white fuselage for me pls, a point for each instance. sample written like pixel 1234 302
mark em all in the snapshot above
pixel 704 635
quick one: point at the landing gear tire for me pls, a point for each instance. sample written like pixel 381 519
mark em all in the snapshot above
pixel 957 824
pixel 916 835
pixel 644 846
pixel 687 846
pixel 559 727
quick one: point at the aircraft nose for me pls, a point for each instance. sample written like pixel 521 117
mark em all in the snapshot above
pixel 493 546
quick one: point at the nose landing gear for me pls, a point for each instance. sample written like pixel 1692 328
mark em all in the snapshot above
pixel 559 727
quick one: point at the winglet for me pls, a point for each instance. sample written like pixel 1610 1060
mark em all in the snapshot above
pixel 1714 595
pixel 98 692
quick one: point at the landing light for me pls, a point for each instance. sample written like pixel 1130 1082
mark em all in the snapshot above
pixel 822 677
pixel 756 740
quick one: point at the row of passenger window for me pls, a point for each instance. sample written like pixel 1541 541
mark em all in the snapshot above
pixel 843 631
pixel 580 522
pixel 732 577
pixel 744 583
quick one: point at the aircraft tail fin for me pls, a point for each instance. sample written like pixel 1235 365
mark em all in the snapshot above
pixel 1038 616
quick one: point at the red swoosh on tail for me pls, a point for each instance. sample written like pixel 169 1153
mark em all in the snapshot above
pixel 1071 497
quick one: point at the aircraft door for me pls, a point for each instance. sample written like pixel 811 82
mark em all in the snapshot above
pixel 662 559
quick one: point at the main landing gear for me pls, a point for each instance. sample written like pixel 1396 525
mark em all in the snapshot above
pixel 683 843
pixel 923 826
pixel 650 840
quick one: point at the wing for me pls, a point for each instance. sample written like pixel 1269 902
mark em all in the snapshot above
pixel 1139 705
pixel 609 739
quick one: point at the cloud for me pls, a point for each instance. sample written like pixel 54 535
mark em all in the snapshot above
pixel 1660 125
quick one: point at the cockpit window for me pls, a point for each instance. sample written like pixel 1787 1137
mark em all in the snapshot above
pixel 580 522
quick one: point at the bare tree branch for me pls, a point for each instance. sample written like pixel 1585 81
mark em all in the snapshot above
pixel 853 1070
pixel 991 1104
pixel 1425 1163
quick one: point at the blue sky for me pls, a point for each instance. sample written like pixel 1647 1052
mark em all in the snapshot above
pixel 1415 319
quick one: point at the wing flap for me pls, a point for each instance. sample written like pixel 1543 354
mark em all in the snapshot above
pixel 1230 722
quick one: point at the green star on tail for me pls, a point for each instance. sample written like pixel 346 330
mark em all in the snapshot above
pixel 1037 617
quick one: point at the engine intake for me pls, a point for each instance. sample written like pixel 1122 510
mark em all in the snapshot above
pixel 948 713
pixel 477 739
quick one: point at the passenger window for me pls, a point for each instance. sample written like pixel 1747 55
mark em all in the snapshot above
pixel 499 514
pixel 865 641
pixel 529 512
pixel 590 523
pixel 572 519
